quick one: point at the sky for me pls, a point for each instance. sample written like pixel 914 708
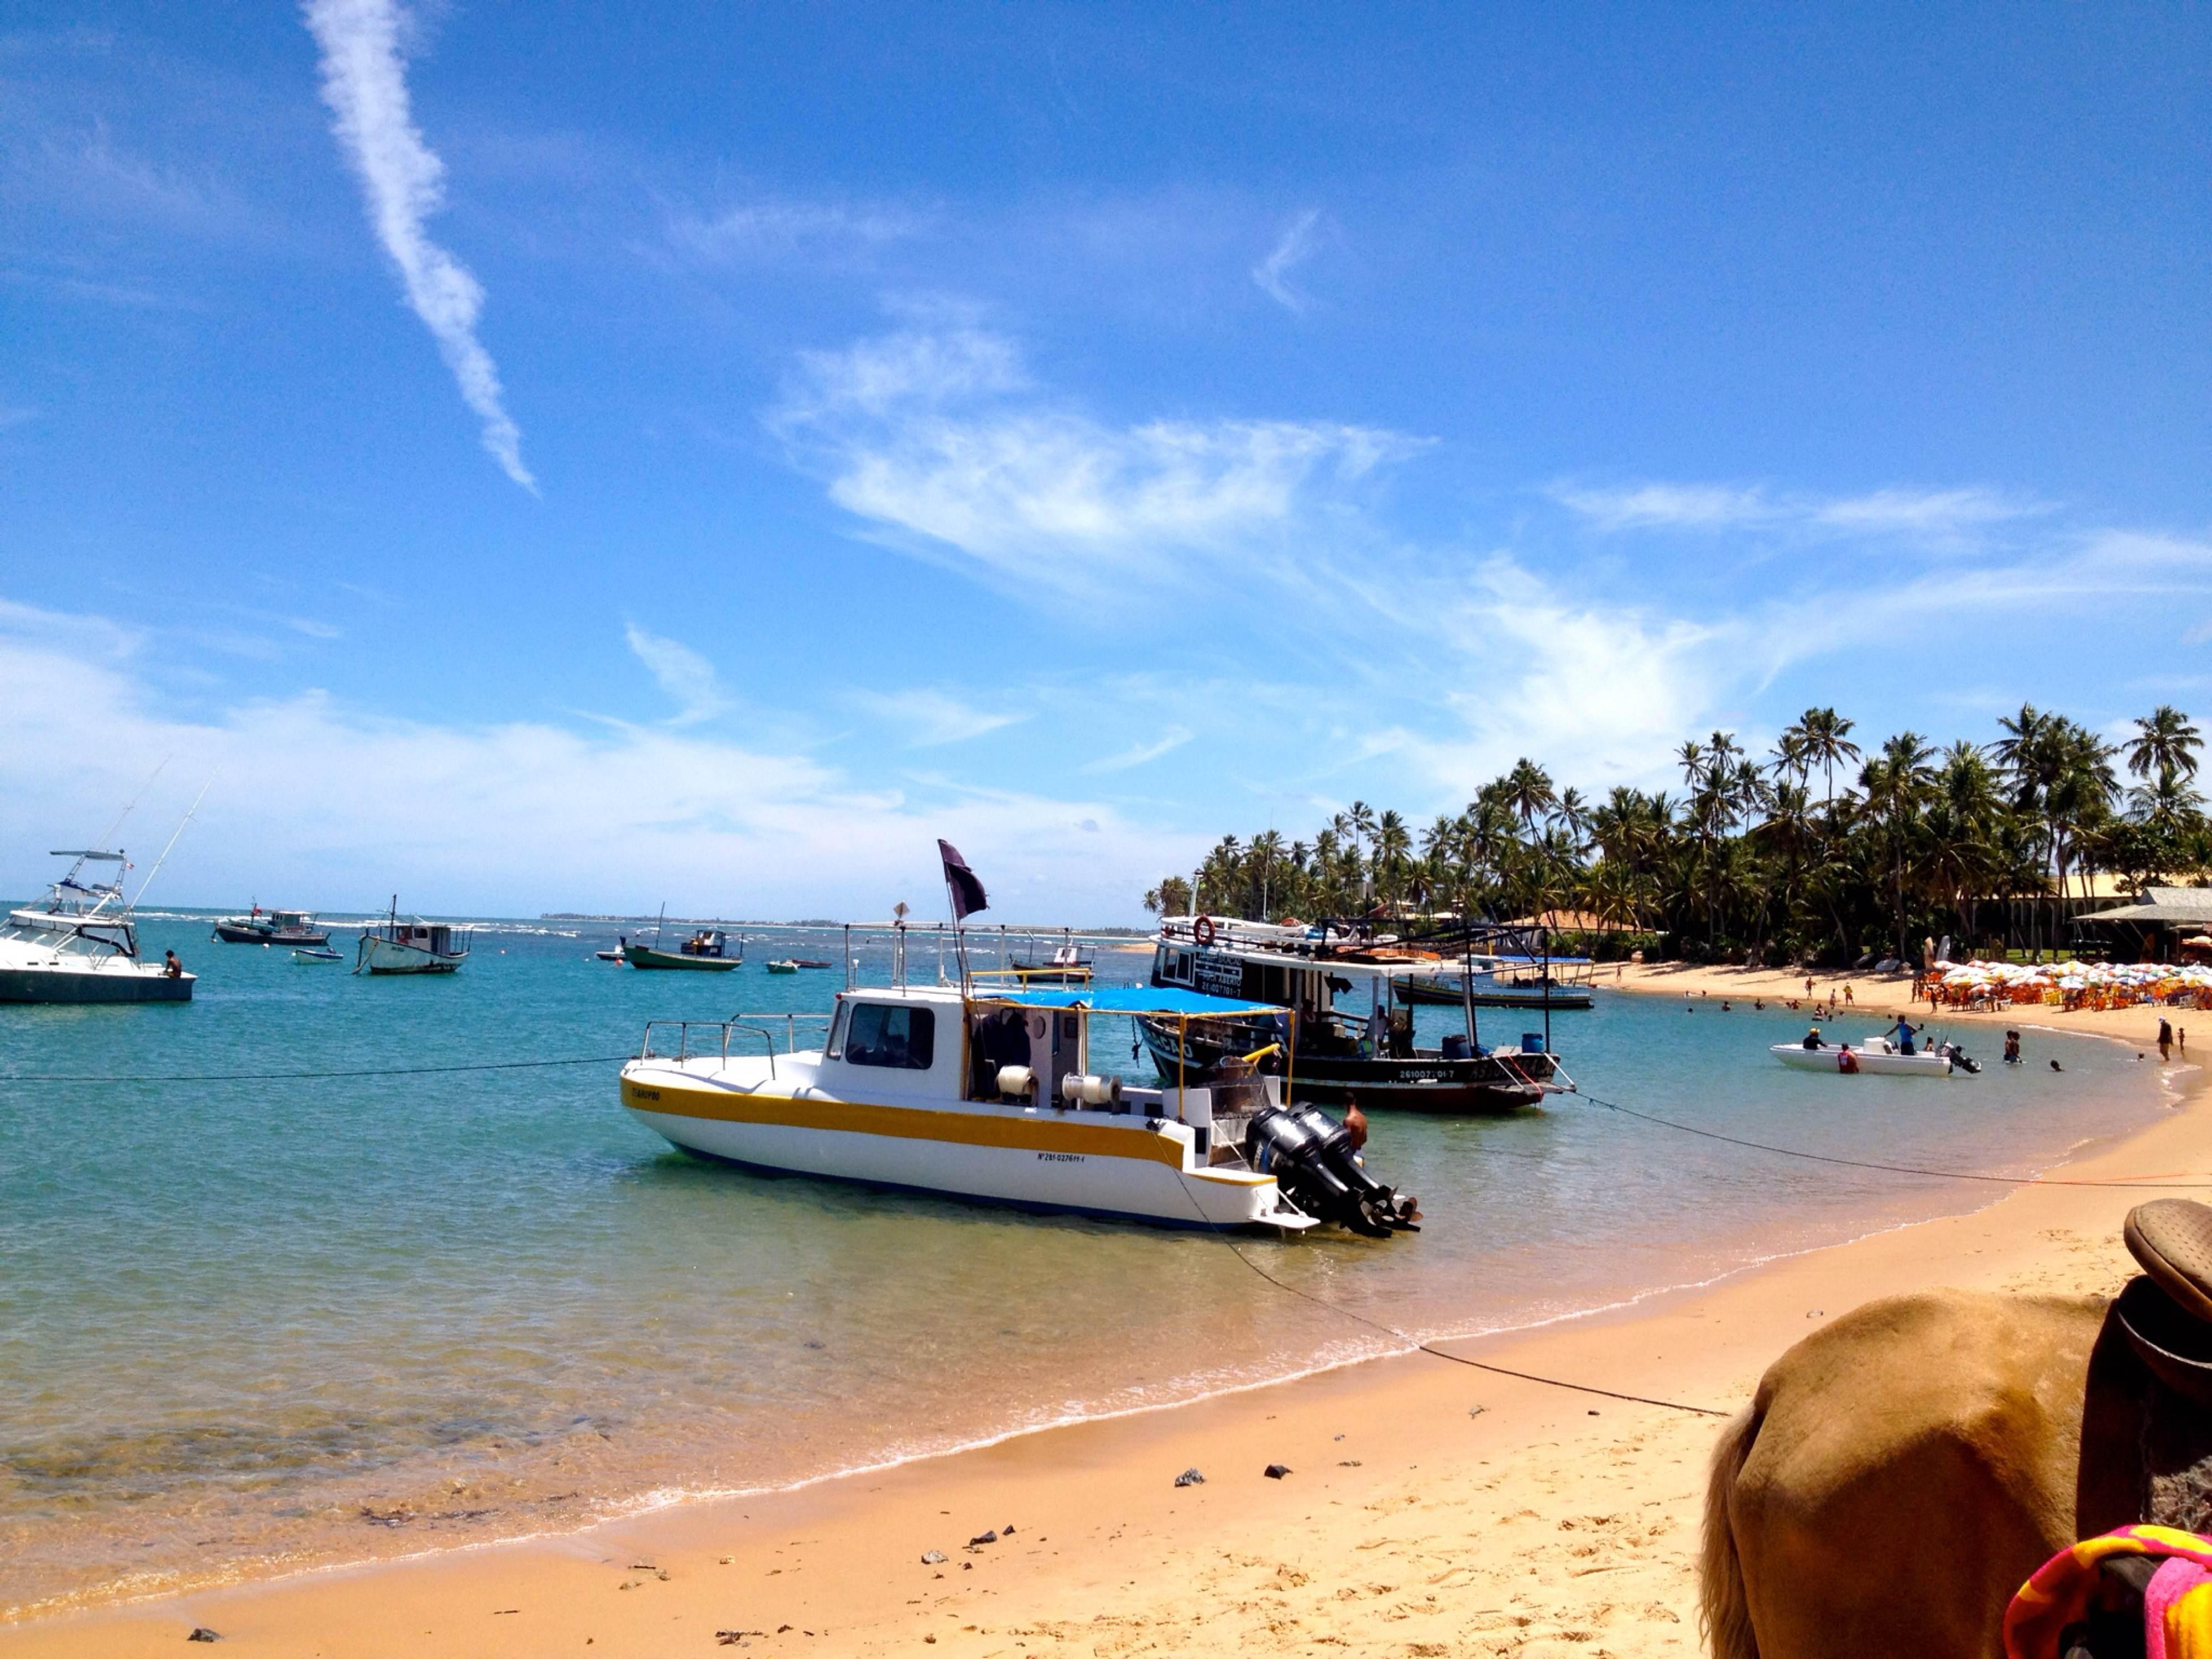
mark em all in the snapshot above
pixel 563 457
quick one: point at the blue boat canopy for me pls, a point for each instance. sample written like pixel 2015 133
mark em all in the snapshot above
pixel 1157 999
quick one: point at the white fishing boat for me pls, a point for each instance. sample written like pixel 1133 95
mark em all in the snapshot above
pixel 80 945
pixel 415 946
pixel 1874 1057
pixel 991 1095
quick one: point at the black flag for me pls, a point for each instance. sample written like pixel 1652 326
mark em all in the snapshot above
pixel 960 882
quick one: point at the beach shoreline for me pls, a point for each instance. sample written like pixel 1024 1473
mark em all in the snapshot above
pixel 1428 1506
pixel 1887 996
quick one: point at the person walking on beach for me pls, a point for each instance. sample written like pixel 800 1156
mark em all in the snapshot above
pixel 2165 1039
pixel 1850 1001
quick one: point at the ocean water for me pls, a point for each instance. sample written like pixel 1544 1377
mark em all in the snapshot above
pixel 251 1324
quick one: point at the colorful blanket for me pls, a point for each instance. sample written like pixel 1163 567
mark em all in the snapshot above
pixel 2070 1587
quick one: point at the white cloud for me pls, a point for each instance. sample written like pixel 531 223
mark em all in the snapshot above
pixel 1696 507
pixel 931 718
pixel 689 679
pixel 1945 516
pixel 1138 754
pixel 1601 692
pixel 922 435
pixel 775 229
pixel 515 817
pixel 404 182
pixel 1292 249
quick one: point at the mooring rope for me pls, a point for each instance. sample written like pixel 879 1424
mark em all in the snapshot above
pixel 2139 1184
pixel 301 1077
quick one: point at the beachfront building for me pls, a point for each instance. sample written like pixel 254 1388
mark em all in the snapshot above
pixel 2163 924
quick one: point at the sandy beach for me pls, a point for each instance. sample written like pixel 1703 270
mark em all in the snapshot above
pixel 1429 1508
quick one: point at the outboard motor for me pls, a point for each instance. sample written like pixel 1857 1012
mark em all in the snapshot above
pixel 1960 1059
pixel 1310 1155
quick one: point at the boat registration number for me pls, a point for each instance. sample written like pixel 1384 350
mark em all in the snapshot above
pixel 1060 1158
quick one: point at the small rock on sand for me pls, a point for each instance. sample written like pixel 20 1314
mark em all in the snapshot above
pixel 1190 1477
pixel 932 1558
pixel 1276 1471
pixel 983 1538
pixel 201 1633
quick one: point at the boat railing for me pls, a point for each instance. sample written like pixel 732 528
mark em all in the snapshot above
pixel 697 1039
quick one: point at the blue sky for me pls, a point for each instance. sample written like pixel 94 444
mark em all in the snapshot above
pixel 557 457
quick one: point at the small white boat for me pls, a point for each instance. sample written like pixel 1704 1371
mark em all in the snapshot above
pixel 315 953
pixel 783 965
pixel 989 1095
pixel 409 947
pixel 1873 1056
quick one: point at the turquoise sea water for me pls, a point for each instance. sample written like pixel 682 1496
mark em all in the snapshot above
pixel 253 1323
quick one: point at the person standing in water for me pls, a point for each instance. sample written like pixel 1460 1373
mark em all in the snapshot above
pixel 2165 1039
pixel 2012 1048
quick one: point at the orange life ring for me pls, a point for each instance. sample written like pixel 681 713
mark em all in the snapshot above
pixel 1202 930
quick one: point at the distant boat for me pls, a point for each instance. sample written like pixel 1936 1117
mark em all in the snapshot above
pixel 783 965
pixel 615 955
pixel 409 947
pixel 707 950
pixel 315 953
pixel 80 945
pixel 262 927
pixel 809 962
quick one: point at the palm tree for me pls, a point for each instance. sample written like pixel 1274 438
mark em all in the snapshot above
pixel 1897 783
pixel 1528 790
pixel 1824 737
pixel 2166 745
pixel 1573 813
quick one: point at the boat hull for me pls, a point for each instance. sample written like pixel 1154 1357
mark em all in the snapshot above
pixel 230 934
pixel 1084 1163
pixel 61 985
pixel 1799 1058
pixel 639 956
pixel 1481 1087
pixel 383 957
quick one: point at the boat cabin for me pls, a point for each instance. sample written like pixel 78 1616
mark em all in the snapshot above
pixel 435 937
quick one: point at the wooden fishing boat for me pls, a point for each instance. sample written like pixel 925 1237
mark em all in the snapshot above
pixel 415 946
pixel 261 926
pixel 1363 1050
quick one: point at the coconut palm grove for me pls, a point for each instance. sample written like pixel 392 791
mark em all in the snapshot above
pixel 1824 850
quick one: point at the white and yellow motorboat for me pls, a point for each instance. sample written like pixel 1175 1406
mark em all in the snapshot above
pixel 990 1095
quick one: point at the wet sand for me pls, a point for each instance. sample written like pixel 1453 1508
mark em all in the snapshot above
pixel 1431 1509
